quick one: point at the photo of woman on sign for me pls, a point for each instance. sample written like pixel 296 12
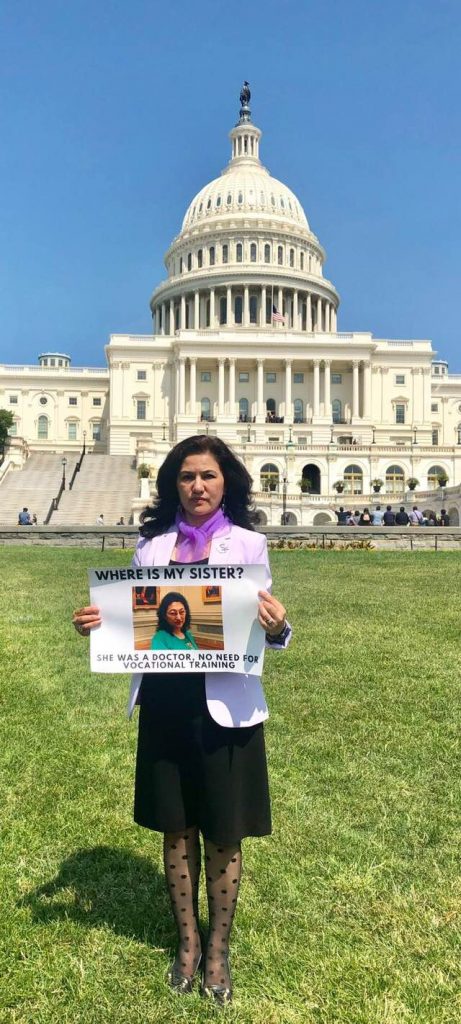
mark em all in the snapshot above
pixel 173 629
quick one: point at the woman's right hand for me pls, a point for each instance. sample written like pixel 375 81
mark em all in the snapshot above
pixel 85 619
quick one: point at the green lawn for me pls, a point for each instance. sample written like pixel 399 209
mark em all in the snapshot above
pixel 349 913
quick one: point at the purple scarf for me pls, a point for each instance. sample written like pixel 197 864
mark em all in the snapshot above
pixel 193 540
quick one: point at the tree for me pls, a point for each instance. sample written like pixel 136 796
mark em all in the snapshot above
pixel 6 421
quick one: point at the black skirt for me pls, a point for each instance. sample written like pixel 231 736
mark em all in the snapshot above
pixel 190 771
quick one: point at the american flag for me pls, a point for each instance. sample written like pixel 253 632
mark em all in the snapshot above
pixel 277 318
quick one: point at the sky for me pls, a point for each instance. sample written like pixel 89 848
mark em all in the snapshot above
pixel 114 113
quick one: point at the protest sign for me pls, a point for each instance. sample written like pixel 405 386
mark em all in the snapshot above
pixel 184 618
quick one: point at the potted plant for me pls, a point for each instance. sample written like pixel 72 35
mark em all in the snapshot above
pixel 339 486
pixel 376 484
pixel 305 485
pixel 442 479
pixel 143 470
pixel 412 483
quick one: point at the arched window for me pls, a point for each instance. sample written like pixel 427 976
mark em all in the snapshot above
pixel 301 261
pixel 458 433
pixel 189 261
pixel 205 409
pixel 238 309
pixel 239 252
pixel 244 410
pixel 298 410
pixel 240 198
pixel 223 310
pixel 253 252
pixel 218 201
pixel 433 476
pixel 353 480
pixel 208 205
pixel 269 477
pixel 292 257
pixel 280 255
pixel 336 410
pixel 395 479
pixel 225 253
pixel 180 264
pixel 267 253
pixel 42 432
pixel 253 309
pixel 200 258
pixel 270 406
pixel 212 255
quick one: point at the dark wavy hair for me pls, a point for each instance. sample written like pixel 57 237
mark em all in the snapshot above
pixel 164 606
pixel 237 485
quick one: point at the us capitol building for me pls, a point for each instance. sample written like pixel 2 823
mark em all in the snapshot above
pixel 245 344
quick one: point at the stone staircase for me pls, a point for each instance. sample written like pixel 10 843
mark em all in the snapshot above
pixel 34 486
pixel 105 483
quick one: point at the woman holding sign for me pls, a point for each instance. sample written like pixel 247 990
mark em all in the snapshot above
pixel 201 763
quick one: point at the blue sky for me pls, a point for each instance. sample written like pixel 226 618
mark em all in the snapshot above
pixel 115 113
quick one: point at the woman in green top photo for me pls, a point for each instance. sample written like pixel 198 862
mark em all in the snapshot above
pixel 173 629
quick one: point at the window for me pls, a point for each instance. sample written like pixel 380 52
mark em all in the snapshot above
pixel 13 399
pixel 225 253
pixel 140 409
pixel 71 431
pixel 180 264
pixel 212 255
pixel 434 407
pixel 267 253
pixel 400 378
pixel 270 406
pixel 72 400
pixel 437 370
pixel 42 428
pixel 298 378
pixel 253 252
pixel 97 401
pixel 353 480
pixel 435 435
pixel 218 202
pixel 336 410
pixel 140 375
pixel 205 409
pixel 52 362
pixel 298 410
pixel 253 309
pixel 189 261
pixel 292 257
pixel 96 431
pixel 280 255
pixel 301 261
pixel 223 310
pixel 13 430
pixel 205 376
pixel 243 410
pixel 400 414
pixel 395 479
pixel 244 377
pixel 271 378
pixel 240 198
pixel 433 476
pixel 239 252
pixel 458 433
pixel 238 309
pixel 336 378
pixel 200 258
pixel 269 477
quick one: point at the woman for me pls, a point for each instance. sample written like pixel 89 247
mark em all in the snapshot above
pixel 201 764
pixel 173 628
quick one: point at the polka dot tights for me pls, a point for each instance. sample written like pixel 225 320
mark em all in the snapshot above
pixel 181 857
pixel 223 871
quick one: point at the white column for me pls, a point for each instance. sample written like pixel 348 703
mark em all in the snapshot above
pixel 196 310
pixel 367 390
pixel 182 386
pixel 334 322
pixel 246 306
pixel 212 305
pixel 288 402
pixel 326 392
pixel 327 317
pixel 176 388
pixel 232 387
pixel 193 387
pixel 318 325
pixel 262 312
pixel 260 400
pixel 229 305
pixel 355 389
pixel 182 319
pixel 163 317
pixel 171 316
pixel 221 366
pixel 295 311
pixel 309 313
pixel 316 387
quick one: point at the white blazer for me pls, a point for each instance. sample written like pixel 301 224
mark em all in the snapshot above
pixel 233 699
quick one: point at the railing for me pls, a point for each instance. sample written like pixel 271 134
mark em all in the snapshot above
pixel 87 370
pixel 77 467
pixel 54 504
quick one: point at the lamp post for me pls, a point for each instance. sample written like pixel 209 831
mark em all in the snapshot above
pixel 414 436
pixel 84 442
pixel 248 433
pixel 373 440
pixel 284 501
pixel 332 439
pixel 64 464
pixel 164 431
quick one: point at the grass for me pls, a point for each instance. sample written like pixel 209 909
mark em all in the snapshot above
pixel 349 913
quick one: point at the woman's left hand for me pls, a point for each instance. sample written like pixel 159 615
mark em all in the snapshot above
pixel 271 614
